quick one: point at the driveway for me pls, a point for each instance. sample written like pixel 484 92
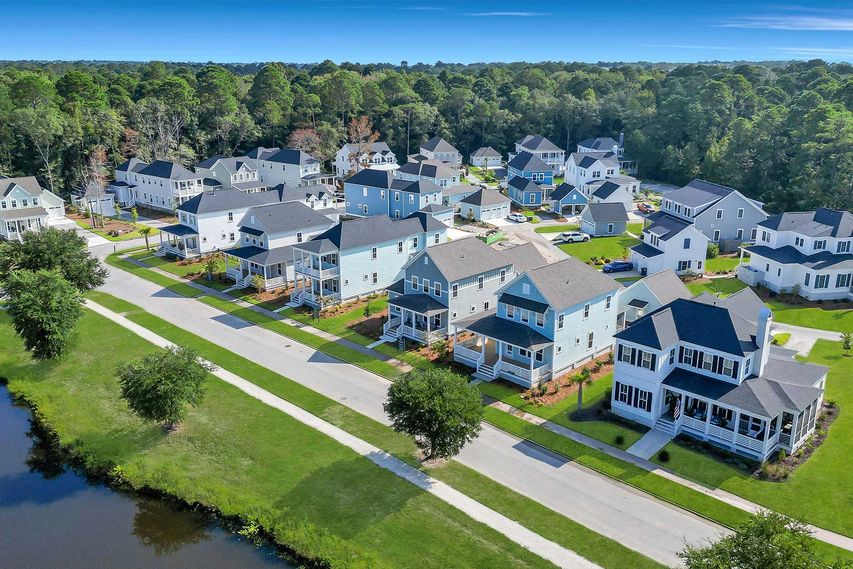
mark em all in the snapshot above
pixel 635 519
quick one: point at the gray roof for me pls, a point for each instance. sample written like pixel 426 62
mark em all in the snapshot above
pixel 606 189
pixel 698 193
pixel 19 213
pixel 459 189
pixel 179 229
pixel 528 162
pixel 744 303
pixel 570 282
pixel 646 250
pixel 789 255
pixel 372 178
pixel 525 184
pixel 28 183
pixel 489 324
pixel 587 159
pixel 665 285
pixel 666 226
pixel 131 165
pixel 226 200
pixel 438 144
pixel 561 191
pixel 523 257
pixel 420 303
pixel 291 156
pixel 230 163
pixel 822 222
pixel 600 143
pixel 521 302
pixel 486 197
pixel 708 325
pixel 607 212
pixel 536 142
pixel 372 148
pixel 436 208
pixel 463 258
pixel 261 153
pixel 485 151
pixel 428 168
pixel 286 216
pixel 263 256
pixel 168 170
pixel 361 232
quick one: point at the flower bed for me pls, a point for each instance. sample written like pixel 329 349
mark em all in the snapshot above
pixel 562 386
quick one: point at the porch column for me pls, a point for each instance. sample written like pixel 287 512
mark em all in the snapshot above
pixel 226 256
pixel 736 423
pixel 681 401
pixel 708 410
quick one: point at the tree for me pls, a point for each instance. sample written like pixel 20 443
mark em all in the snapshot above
pixel 581 380
pixel 134 214
pixel 97 176
pixel 145 232
pixel 767 540
pixel 847 342
pixel 44 308
pixel 211 265
pixel 437 408
pixel 305 139
pixel 161 385
pixel 53 249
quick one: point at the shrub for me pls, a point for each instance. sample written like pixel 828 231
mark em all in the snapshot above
pixel 663 456
pixel 441 349
pixel 619 440
pixel 713 250
pixel 782 455
pixel 596 367
pixel 609 359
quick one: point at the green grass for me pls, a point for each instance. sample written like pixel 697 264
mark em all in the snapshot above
pixel 312 492
pixel 124 237
pixel 557 228
pixel 635 228
pixel 627 279
pixel 612 247
pixel 152 276
pixel 819 491
pixel 781 339
pixel 835 316
pixel 604 431
pixel 718 263
pixel 533 515
pixel 170 266
pixel 723 286
pixel 339 325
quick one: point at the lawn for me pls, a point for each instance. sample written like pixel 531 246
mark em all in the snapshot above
pixel 557 228
pixel 627 280
pixel 722 286
pixel 340 323
pixel 314 494
pixel 531 514
pixel 635 228
pixel 602 247
pixel 819 491
pixel 827 316
pixel 110 224
pixel 721 264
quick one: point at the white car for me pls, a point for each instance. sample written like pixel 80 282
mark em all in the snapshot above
pixel 517 217
pixel 572 236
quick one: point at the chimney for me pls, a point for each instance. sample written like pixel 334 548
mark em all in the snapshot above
pixel 762 338
pixel 621 139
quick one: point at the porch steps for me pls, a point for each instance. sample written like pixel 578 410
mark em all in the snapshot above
pixel 665 426
pixel 485 371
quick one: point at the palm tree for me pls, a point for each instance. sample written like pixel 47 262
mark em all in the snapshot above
pixel 581 380
pixel 145 231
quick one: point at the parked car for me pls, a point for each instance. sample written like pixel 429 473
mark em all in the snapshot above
pixel 517 217
pixel 618 266
pixel 572 237
pixel 646 208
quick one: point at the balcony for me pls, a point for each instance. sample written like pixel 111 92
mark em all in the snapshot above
pixel 749 275
pixel 317 270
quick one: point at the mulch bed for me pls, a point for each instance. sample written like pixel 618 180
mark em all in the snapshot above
pixel 797 300
pixel 108 225
pixel 561 387
pixel 777 469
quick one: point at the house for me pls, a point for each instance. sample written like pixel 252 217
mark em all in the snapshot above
pixel 380 192
pixel 454 194
pixel 610 192
pixel 486 158
pixel 161 185
pixel 26 206
pixel 294 168
pixel 525 192
pixel 670 243
pixel 316 196
pixel 547 320
pixel 437 172
pixel 723 214
pixel 485 205
pixel 607 144
pixel 359 257
pixel 647 295
pixel 441 212
pixel 353 157
pixel 225 173
pixel 94 199
pixel 531 167
pixel 122 186
pixel 436 148
pixel 699 368
pixel 267 236
pixel 810 252
pixel 603 219
pixel 582 168
pixel 566 199
pixel 448 282
pixel 543 149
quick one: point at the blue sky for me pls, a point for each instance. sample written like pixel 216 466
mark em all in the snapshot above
pixel 426 31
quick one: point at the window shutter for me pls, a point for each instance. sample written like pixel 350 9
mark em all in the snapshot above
pixel 716 367
pixel 649 402
pixel 681 354
pixel 619 353
pixel 695 359
pixel 654 363
pixel 735 368
pixel 634 354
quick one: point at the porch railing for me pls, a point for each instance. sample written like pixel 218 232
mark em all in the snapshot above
pixel 720 433
pixel 419 334
pixel 518 371
pixel 749 442
pixel 692 423
pixel 467 355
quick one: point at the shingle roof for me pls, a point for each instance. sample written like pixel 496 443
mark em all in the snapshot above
pixel 225 200
pixel 372 148
pixel 523 257
pixel 459 189
pixel 570 282
pixel 372 178
pixel 744 303
pixel 19 213
pixel 646 250
pixel 438 144
pixel 286 216
pixel 168 170
pixel 528 162
pixel 822 222
pixel 291 156
pixel 420 303
pixel 486 197
pixel 464 258
pixel 485 151
pixel 435 208
pixel 263 256
pixel 789 255
pixel 515 333
pixel 666 226
pixel 587 159
pixel 230 163
pixel 562 191
pixel 698 193
pixel 428 168
pixel 607 212
pixel 131 165
pixel 525 184
pixel 28 183
pixel 602 142
pixel 261 153
pixel 536 142
pixel 605 190
pixel 665 285
pixel 361 232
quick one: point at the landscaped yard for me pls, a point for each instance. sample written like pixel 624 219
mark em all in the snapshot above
pixel 635 228
pixel 601 247
pixel 557 228
pixel 287 476
pixel 190 269
pixel 819 491
pixel 721 287
pixel 829 315
pixel 124 229
pixel 722 263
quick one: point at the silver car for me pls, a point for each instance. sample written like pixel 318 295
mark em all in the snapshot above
pixel 572 237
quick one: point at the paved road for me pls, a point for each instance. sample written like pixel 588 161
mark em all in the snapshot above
pixel 634 519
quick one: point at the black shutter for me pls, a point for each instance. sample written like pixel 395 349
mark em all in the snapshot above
pixel 695 362
pixel 619 353
pixel 654 363
pixel 734 369
pixel 649 402
pixel 634 356
pixel 681 355
pixel 716 366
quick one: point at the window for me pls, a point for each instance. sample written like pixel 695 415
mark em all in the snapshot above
pixel 687 356
pixel 843 247
pixel 399 246
pixel 716 236
pixel 435 240
pixel 25 202
pixel 609 228
pixel 473 308
pixel 799 241
pixel 503 275
pixel 382 194
pixel 480 282
pixel 540 320
pixel 375 278
pixel 707 362
pixel 436 288
pixel 820 245
pixel 739 235
pixel 740 213
pixel 560 321
pixel 589 340
pixel 396 196
pixel 626 354
pixel 231 237
pixel 414 283
pixel 672 356
pixel 454 290
pixel 230 216
pixel 525 315
pixel 415 242
pixel 299 237
pixel 687 243
pixel 821 281
pixel 486 305
pixel 753 233
pixel 364 192
pixel 842 280
pixel 374 253
pixel 683 265
pixel 719 214
pixel 646 360
pixel 411 198
pixel 586 311
pixel 510 312
pixel 729 367
pixel 425 283
pixel 807 279
pixel 607 302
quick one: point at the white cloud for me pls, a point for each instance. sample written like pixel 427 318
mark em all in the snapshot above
pixel 817 51
pixel 792 22
pixel 507 14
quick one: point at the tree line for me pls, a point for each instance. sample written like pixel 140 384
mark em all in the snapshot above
pixel 782 134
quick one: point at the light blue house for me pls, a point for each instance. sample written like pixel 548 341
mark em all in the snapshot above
pixel 548 320
pixel 359 257
pixel 530 166
pixel 379 192
pixel 525 192
pixel 566 198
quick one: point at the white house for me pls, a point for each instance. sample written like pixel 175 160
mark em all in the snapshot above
pixel 122 186
pixel 701 369
pixel 439 173
pixel 810 252
pixel 436 148
pixel 723 214
pixel 94 199
pixel 485 205
pixel 161 185
pixel 543 149
pixel 610 192
pixel 582 168
pixel 224 173
pixel 291 167
pixel 352 157
pixel 648 294
pixel 607 144
pixel 26 206
pixel 486 157
pixel 670 243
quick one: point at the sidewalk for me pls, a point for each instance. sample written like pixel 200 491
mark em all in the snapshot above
pixel 546 549
pixel 827 536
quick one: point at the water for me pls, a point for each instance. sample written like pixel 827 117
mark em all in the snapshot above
pixel 52 518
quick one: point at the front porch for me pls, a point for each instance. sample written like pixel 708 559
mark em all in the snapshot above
pixel 418 317
pixel 493 358
pixel 180 240
pixel 316 276
pixel 14 226
pixel 274 266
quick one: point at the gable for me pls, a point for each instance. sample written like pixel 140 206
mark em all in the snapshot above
pixel 731 203
pixel 523 287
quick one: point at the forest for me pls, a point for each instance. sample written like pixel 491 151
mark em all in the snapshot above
pixel 780 133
